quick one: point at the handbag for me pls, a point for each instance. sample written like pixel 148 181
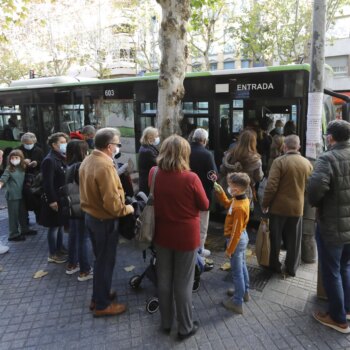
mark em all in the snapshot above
pixel 262 243
pixel 145 223
pixel 261 190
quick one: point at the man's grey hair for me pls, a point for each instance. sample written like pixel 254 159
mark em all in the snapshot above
pixel 200 135
pixel 292 142
pixel 88 130
pixel 28 136
pixel 105 136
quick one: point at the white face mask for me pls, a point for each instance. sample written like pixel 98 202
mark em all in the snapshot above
pixel 117 150
pixel 63 148
pixel 15 162
pixel 229 191
pixel 28 147
pixel 156 141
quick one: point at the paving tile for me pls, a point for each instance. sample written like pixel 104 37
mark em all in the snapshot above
pixel 52 313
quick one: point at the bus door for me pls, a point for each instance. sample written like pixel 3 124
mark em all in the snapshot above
pixel 230 121
pixel 39 119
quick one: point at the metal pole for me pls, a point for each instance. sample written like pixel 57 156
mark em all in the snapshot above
pixel 314 120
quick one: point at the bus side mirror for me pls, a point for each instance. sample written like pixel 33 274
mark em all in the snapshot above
pixel 346 111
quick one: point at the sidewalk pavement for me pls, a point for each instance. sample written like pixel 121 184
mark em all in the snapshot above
pixel 52 312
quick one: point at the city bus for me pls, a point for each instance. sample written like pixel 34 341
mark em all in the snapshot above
pixel 224 102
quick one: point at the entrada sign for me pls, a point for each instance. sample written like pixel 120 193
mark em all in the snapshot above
pixel 244 87
pixel 263 86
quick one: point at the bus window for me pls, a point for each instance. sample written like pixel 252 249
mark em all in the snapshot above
pixel 70 118
pixel 237 121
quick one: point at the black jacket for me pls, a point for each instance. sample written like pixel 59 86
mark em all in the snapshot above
pixel 147 159
pixel 53 169
pixel 329 190
pixel 201 163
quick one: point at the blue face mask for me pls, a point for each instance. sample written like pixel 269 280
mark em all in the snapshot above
pixel 63 148
pixel 90 143
pixel 279 130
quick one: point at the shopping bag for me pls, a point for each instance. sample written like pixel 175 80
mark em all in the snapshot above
pixel 144 227
pixel 145 223
pixel 262 244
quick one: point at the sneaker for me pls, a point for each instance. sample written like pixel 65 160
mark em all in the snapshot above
pixel 85 276
pixel 111 310
pixel 205 253
pixel 71 269
pixel 348 316
pixel 112 295
pixel 56 259
pixel 326 320
pixel 230 305
pixel 3 248
pixel 230 292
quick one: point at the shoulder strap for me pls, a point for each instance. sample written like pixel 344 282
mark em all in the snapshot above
pixel 153 181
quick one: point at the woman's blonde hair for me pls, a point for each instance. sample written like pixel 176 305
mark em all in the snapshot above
pixel 174 154
pixel 146 134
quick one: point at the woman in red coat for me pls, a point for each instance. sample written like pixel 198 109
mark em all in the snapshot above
pixel 178 198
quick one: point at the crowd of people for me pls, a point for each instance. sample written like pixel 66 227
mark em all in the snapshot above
pixel 187 184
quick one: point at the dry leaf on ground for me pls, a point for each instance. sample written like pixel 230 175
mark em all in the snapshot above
pixel 225 266
pixel 129 268
pixel 40 273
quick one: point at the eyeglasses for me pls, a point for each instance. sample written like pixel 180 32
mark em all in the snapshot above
pixel 117 144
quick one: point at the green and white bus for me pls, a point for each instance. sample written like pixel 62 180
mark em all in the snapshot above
pixel 223 102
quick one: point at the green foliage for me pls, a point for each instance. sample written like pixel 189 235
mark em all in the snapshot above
pixel 203 26
pixel 11 13
pixel 11 68
pixel 280 30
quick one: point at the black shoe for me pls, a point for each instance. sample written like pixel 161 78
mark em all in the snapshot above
pixel 30 233
pixel 192 332
pixel 208 267
pixel 17 238
pixel 166 331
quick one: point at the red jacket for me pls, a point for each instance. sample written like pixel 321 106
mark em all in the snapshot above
pixel 178 198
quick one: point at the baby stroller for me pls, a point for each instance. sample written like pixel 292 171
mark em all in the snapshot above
pixel 152 304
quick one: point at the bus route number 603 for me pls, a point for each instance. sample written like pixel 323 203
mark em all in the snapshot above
pixel 110 93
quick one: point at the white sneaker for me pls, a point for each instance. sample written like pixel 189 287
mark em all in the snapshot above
pixel 85 276
pixel 3 248
pixel 205 252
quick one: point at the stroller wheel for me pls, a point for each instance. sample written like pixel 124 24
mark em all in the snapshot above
pixel 196 285
pixel 135 281
pixel 152 305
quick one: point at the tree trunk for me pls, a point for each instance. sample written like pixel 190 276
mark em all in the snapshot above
pixel 173 45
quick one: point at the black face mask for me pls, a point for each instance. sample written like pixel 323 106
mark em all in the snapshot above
pixel 118 155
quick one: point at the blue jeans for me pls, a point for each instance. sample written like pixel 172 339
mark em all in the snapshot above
pixel 335 267
pixel 55 239
pixel 239 270
pixel 104 239
pixel 77 244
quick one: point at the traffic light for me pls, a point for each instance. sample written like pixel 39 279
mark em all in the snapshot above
pixel 31 74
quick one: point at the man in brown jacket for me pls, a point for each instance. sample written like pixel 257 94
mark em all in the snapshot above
pixel 284 200
pixel 102 200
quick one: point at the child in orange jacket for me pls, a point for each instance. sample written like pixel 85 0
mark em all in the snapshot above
pixel 237 238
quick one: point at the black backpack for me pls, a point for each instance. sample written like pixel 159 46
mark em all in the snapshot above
pixel 70 195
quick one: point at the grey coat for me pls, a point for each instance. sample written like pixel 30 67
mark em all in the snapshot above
pixel 329 190
pixel 13 182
